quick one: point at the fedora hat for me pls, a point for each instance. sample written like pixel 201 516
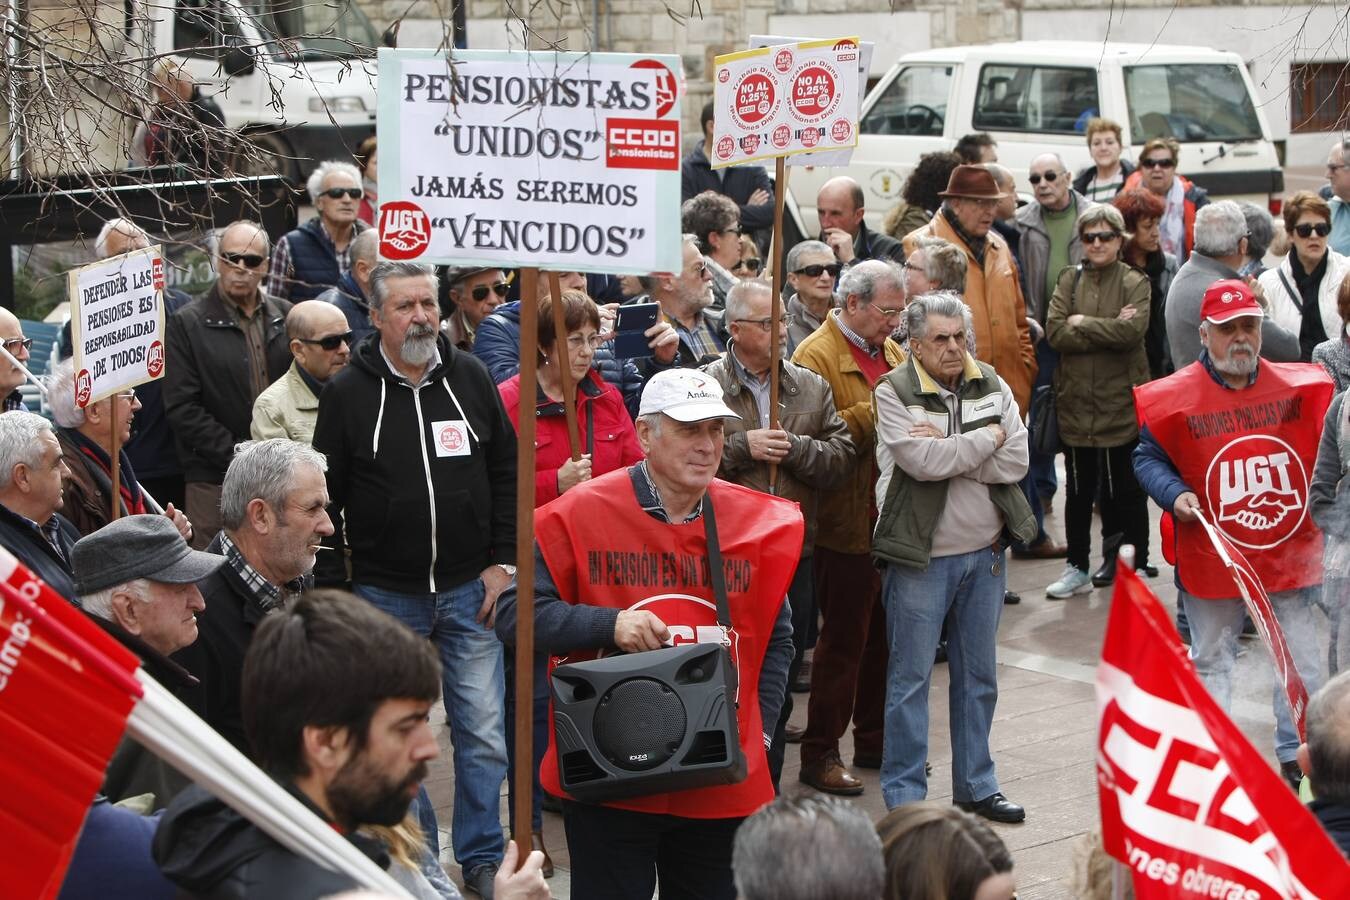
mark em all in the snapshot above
pixel 973 183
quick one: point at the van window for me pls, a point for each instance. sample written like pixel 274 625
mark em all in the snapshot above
pixel 201 28
pixel 1035 98
pixel 1190 102
pixel 337 29
pixel 915 102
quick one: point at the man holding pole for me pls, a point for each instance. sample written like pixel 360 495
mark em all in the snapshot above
pixel 620 849
pixel 1229 440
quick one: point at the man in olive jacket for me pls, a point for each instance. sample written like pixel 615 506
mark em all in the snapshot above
pixel 810 448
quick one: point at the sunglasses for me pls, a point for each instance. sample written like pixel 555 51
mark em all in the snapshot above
pixel 481 291
pixel 1100 237
pixel 332 342
pixel 1158 163
pixel 1307 229
pixel 14 344
pixel 751 265
pixel 339 193
pixel 247 260
pixel 1049 178
pixel 816 271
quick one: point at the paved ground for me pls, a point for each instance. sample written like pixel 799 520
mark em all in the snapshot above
pixel 1044 735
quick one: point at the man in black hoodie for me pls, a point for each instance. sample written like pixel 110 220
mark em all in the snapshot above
pixel 422 469
pixel 1326 758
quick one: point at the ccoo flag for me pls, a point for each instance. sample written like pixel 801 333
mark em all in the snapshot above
pixel 1186 802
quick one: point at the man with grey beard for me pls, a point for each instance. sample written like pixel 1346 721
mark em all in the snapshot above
pixel 1229 438
pixel 422 469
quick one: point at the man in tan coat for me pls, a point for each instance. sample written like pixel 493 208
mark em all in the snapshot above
pixel 998 310
pixel 320 345
pixel 852 351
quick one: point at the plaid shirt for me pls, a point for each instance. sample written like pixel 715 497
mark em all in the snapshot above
pixel 268 596
pixel 853 337
pixel 13 401
pixel 701 339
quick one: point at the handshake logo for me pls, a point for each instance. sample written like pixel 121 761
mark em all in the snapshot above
pixel 1258 491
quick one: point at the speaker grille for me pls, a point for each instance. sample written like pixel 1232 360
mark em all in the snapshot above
pixel 639 724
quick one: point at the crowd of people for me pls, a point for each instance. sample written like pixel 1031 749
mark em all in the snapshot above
pixel 314 533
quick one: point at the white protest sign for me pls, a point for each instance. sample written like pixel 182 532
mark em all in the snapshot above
pixel 567 161
pixel 785 100
pixel 824 157
pixel 117 323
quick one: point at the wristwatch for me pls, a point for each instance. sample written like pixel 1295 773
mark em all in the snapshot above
pixel 509 570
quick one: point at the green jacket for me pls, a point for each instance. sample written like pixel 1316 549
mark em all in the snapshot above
pixel 912 507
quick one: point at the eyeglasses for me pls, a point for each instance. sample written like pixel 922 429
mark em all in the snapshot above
pixel 1167 163
pixel 751 265
pixel 332 342
pixel 129 396
pixel 735 229
pixel 909 266
pixel 1100 237
pixel 13 344
pixel 1335 167
pixel 578 341
pixel 888 313
pixel 1049 177
pixel 480 292
pixel 1322 229
pixel 767 322
pixel 247 260
pixel 339 193
pixel 701 269
pixel 816 271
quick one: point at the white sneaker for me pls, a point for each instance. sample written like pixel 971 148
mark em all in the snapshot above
pixel 1073 581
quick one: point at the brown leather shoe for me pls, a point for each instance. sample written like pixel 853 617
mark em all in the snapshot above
pixel 793 734
pixel 829 776
pixel 537 843
pixel 1046 549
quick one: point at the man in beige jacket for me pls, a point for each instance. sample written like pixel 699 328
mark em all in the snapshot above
pixel 320 345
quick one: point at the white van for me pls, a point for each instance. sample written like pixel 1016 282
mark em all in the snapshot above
pixel 303 99
pixel 1035 97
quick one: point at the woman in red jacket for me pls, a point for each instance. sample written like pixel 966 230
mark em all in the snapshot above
pixel 608 442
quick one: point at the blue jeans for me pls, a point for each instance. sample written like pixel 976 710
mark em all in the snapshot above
pixel 474 692
pixel 966 591
pixel 1215 626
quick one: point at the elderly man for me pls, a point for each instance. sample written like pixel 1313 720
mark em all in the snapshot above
pixel 224 349
pixel 951 448
pixel 1337 194
pixel 1049 236
pixel 1220 251
pixel 272 507
pixel 1001 336
pixel 137 580
pixel 840 207
pixel 1193 440
pixel 320 346
pixel 811 273
pixel 851 351
pixel 811 446
pixel 684 298
pixel 32 472
pixel 1157 172
pixel 11 376
pixel 422 471
pixel 475 291
pixel 808 847
pixel 350 742
pixel 1326 758
pixel 352 292
pixel 619 850
pixel 86 437
pixel 314 257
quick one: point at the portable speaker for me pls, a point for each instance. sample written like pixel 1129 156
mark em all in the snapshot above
pixel 647 723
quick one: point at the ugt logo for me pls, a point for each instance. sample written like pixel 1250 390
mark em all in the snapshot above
pixel 1258 491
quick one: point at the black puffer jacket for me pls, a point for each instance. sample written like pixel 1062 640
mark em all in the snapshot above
pixel 212 853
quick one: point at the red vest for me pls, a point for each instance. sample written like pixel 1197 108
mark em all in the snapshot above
pixel 601 548
pixel 1248 455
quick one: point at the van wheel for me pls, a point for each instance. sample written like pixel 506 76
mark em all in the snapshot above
pixel 263 153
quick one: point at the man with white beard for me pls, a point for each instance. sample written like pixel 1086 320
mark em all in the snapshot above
pixel 1231 437
pixel 422 469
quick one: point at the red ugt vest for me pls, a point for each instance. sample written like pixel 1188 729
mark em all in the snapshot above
pixel 602 549
pixel 1248 455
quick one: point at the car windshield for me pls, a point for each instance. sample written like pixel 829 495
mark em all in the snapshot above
pixel 1191 103
pixel 332 30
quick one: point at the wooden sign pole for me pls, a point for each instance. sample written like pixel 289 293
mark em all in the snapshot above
pixel 523 795
pixel 564 365
pixel 116 460
pixel 776 310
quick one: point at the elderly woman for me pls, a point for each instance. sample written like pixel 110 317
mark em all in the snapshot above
pixel 1097 321
pixel 1260 234
pixel 1105 178
pixel 1333 354
pixel 1142 211
pixel 919 198
pixel 716 221
pixel 750 264
pixel 1301 290
pixel 1157 172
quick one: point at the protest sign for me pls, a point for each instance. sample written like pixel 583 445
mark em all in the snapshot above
pixel 1187 803
pixel 117 323
pixel 780 101
pixel 568 161
pixel 824 158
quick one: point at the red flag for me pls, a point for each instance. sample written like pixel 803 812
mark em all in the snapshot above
pixel 66 689
pixel 1186 802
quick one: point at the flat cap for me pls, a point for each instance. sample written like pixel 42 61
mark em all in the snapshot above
pixel 138 547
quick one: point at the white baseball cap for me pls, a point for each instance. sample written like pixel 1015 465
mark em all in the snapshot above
pixel 686 395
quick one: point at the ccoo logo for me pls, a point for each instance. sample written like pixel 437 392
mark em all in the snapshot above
pixel 1258 491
